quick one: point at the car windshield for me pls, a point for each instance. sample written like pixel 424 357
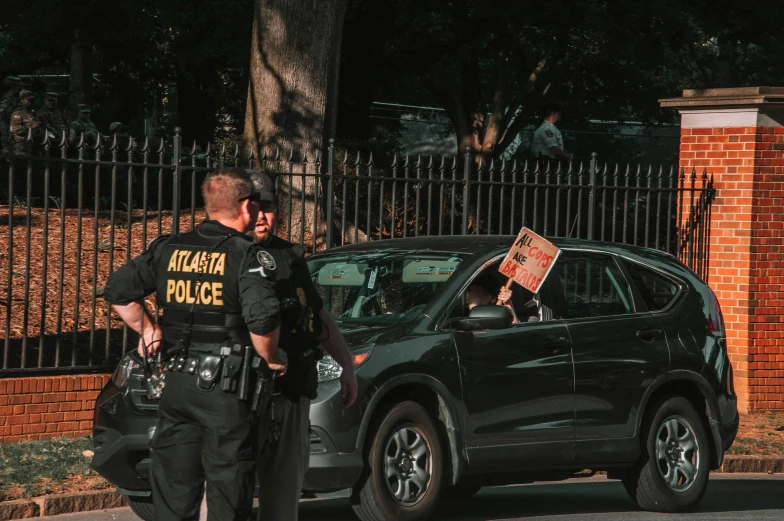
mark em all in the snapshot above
pixel 379 288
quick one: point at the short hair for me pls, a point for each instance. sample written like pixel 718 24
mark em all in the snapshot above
pixel 487 282
pixel 222 190
pixel 551 108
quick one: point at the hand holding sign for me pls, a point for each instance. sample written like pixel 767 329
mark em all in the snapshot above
pixel 529 260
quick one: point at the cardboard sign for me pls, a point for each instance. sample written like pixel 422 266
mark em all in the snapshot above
pixel 529 260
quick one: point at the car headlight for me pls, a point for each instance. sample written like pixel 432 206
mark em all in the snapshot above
pixel 124 371
pixel 328 369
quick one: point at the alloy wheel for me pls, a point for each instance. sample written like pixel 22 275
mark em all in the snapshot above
pixel 407 465
pixel 677 453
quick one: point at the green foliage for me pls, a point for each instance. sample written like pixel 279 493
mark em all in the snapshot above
pixel 607 59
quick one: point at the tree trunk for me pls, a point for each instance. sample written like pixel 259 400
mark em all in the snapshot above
pixel 292 98
pixel 81 80
pixel 196 110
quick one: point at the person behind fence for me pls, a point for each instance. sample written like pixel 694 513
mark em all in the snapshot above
pixel 53 118
pixel 23 121
pixel 548 141
pixel 8 105
pixel 83 126
pixel 284 443
pixel 220 320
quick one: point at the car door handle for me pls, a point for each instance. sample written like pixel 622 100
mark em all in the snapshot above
pixel 648 333
pixel 555 342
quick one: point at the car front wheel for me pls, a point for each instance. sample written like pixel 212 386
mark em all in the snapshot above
pixel 672 473
pixel 403 473
pixel 142 507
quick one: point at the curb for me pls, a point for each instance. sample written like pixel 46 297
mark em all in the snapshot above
pixel 61 504
pixel 103 499
pixel 752 464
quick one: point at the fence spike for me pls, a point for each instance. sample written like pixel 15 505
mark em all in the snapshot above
pixel 406 162
pixel 251 155
pixel 236 151
pixel 98 141
pixel 63 141
pixel 209 148
pixel 443 163
pixel 45 142
pixel 705 174
pixel 291 154
pixel 193 149
pixel 693 174
pixel 394 159
pixel 370 161
pixel 113 146
pixel 419 161
pixel 358 160
pixel 146 146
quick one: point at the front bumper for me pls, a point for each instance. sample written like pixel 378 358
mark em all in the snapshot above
pixel 121 437
pixel 336 462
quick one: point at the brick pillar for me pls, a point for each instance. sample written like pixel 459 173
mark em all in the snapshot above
pixel 738 137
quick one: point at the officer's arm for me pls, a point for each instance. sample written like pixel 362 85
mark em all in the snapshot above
pixel 126 288
pixel 260 308
pixel 559 154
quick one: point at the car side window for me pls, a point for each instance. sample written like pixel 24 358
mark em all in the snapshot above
pixel 484 289
pixel 593 286
pixel 657 291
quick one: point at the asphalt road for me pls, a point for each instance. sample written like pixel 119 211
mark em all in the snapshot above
pixel 729 497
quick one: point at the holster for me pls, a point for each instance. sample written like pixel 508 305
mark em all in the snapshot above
pixel 265 381
pixel 209 367
pixel 232 365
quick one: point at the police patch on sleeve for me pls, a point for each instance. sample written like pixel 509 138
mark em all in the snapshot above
pixel 266 260
pixel 548 133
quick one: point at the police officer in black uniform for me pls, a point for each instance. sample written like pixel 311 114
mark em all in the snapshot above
pixel 284 441
pixel 219 307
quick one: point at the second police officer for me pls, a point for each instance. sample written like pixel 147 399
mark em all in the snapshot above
pixel 284 442
pixel 219 305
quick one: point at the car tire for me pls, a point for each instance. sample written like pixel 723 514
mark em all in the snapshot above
pixel 672 473
pixel 142 506
pixel 403 470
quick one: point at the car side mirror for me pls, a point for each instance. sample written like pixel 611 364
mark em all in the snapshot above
pixel 485 317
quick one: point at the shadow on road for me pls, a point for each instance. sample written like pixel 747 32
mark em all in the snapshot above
pixel 725 495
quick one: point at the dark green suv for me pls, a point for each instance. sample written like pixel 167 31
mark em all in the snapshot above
pixel 618 364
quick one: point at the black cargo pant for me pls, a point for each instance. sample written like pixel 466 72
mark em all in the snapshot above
pixel 202 436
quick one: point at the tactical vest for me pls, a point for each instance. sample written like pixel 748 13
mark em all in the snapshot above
pixel 196 276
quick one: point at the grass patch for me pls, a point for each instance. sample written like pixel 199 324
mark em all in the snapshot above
pixel 40 467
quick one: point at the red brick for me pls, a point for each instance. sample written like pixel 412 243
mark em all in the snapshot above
pixel 36 408
pixel 17 399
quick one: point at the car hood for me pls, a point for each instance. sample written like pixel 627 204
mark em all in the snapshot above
pixel 363 337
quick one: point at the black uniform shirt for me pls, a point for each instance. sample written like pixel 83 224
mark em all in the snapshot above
pixel 245 286
pixel 292 280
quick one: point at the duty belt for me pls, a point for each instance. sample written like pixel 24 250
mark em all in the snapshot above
pixel 231 367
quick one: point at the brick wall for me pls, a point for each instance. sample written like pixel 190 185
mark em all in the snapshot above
pixel 48 406
pixel 747 250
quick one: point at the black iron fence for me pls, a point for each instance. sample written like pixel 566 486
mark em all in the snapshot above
pixel 73 213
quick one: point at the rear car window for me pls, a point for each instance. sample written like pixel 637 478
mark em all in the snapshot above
pixel 593 286
pixel 657 291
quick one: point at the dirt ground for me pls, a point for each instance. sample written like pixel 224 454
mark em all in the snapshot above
pixel 760 433
pixel 65 246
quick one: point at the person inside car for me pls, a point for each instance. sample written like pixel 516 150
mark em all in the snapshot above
pixel 484 291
